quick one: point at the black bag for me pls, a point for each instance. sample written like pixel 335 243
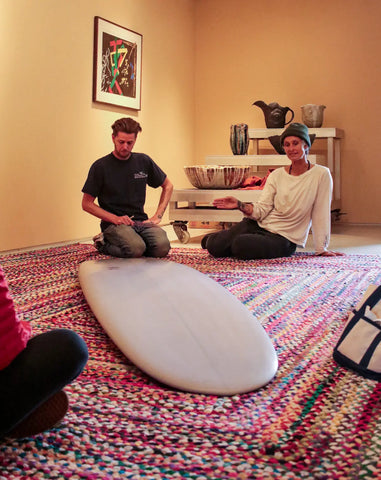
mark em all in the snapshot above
pixel 359 347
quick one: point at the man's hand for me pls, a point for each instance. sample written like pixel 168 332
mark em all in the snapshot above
pixel 155 219
pixel 89 206
pixel 228 203
pixel 123 220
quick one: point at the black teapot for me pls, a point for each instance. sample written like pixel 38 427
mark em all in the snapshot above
pixel 275 115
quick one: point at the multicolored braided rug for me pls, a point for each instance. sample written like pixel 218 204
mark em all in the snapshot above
pixel 315 420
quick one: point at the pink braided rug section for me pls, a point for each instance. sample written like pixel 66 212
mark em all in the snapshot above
pixel 315 420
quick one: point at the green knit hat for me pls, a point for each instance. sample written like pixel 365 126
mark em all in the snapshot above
pixel 296 130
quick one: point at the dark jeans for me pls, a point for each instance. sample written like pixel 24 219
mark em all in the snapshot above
pixel 48 363
pixel 248 241
pixel 125 241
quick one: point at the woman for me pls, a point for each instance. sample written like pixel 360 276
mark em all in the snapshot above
pixel 294 198
pixel 33 372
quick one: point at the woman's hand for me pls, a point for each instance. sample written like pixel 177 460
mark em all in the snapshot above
pixel 228 203
pixel 330 253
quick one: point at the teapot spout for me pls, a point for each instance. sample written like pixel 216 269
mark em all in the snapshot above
pixel 261 104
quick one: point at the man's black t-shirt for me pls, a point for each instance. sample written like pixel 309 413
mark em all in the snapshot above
pixel 120 185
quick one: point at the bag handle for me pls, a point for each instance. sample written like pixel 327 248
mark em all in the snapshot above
pixel 364 362
pixel 371 301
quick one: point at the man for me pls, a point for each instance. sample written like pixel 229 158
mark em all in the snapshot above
pixel 119 181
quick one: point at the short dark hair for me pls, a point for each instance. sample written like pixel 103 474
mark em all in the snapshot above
pixel 126 125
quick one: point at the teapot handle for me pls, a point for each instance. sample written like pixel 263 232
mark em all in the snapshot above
pixel 292 115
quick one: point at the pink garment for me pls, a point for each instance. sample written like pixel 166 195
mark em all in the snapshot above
pixel 254 182
pixel 14 333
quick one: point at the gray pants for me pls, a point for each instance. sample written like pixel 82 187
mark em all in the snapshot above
pixel 134 241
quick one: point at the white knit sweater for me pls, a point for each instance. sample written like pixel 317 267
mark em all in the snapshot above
pixel 289 205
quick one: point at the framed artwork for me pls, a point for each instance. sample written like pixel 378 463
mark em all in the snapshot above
pixel 117 65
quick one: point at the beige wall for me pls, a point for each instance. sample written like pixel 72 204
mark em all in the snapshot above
pixel 315 51
pixel 305 51
pixel 51 131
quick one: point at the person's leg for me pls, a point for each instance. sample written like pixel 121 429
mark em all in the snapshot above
pixel 219 243
pixel 261 245
pixel 155 238
pixel 49 362
pixel 123 241
pixel 48 415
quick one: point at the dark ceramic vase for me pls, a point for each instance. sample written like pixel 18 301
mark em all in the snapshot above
pixel 239 138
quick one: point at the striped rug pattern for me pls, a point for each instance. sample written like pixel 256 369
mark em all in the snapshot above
pixel 315 420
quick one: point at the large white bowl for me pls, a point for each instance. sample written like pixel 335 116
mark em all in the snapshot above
pixel 217 176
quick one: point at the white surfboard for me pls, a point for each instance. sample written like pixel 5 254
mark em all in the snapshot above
pixel 178 325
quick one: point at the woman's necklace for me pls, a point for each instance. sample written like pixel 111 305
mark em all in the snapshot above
pixel 309 165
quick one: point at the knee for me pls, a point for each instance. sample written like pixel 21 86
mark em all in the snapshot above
pixel 122 241
pixel 71 349
pixel 161 249
pixel 133 251
pixel 254 247
pixel 215 248
pixel 244 248
pixel 76 345
pixel 214 252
